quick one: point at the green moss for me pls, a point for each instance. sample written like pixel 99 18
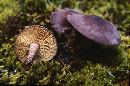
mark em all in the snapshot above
pixel 8 8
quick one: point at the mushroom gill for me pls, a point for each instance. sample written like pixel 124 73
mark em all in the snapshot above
pixel 35 41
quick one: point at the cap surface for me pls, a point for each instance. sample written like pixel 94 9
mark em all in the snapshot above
pixel 59 19
pixel 95 28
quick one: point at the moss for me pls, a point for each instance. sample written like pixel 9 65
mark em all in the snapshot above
pixel 96 66
pixel 8 8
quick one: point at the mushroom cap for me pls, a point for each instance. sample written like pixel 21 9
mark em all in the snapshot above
pixel 59 19
pixel 95 28
pixel 36 34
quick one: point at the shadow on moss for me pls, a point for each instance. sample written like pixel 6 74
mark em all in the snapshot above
pixel 76 50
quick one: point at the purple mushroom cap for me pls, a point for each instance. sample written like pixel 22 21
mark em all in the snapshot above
pixel 59 19
pixel 95 28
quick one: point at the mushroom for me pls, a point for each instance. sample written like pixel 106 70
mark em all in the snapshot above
pixel 59 20
pixel 95 28
pixel 91 26
pixel 35 40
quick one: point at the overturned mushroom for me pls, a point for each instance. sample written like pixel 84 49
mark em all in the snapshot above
pixel 59 19
pixel 95 28
pixel 35 41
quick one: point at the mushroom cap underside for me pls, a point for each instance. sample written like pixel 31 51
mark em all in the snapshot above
pixel 37 34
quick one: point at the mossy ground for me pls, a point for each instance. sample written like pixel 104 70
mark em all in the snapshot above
pixel 96 65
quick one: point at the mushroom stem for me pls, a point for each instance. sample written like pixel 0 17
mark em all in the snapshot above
pixel 33 49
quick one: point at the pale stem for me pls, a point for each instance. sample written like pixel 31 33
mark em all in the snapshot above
pixel 33 49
